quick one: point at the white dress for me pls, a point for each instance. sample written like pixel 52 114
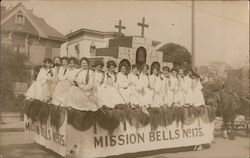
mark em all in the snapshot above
pixel 122 85
pixel 111 96
pixel 98 79
pixel 134 89
pixel 178 92
pixel 167 93
pixel 40 89
pixel 54 80
pixel 146 94
pixel 187 90
pixel 155 84
pixel 81 97
pixel 198 97
pixel 172 87
pixel 63 85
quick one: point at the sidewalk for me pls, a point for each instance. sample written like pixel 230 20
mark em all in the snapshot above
pixel 12 122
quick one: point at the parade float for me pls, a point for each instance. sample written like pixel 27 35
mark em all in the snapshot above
pixel 117 131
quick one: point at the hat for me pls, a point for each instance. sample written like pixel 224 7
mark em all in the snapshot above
pixel 47 60
pixel 166 68
pixel 111 63
pixel 98 62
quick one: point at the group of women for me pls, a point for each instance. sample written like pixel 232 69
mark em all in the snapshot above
pixel 65 83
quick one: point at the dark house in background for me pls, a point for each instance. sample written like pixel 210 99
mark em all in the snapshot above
pixel 30 35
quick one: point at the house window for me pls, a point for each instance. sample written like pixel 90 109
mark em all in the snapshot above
pixel 19 49
pixel 19 19
pixel 92 49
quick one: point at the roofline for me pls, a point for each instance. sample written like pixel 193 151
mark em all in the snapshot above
pixel 56 39
pixel 91 31
pixel 25 12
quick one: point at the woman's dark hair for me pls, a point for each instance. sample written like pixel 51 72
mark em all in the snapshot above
pixel 57 58
pixel 85 59
pixel 173 69
pixel 135 66
pixel 144 65
pixel 73 59
pixel 154 67
pixel 65 58
pixel 98 62
pixel 122 65
pixel 111 63
pixel 166 68
pixel 47 60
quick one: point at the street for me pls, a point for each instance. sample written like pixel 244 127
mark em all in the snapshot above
pixel 16 145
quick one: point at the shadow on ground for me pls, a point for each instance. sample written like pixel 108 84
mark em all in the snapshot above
pixel 26 151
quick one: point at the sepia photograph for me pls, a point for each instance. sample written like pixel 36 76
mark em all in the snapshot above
pixel 124 79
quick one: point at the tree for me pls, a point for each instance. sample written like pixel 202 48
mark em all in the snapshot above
pixel 12 69
pixel 175 53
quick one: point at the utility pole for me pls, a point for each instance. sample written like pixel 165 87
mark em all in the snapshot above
pixel 193 34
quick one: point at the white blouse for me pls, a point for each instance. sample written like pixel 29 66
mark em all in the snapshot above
pixel 122 80
pixel 44 75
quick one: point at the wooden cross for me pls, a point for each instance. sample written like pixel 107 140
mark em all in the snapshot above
pixel 120 27
pixel 142 26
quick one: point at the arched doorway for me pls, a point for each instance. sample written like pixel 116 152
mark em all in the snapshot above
pixel 125 62
pixel 155 64
pixel 141 56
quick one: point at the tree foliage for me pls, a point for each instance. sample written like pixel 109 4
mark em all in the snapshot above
pixel 175 53
pixel 12 69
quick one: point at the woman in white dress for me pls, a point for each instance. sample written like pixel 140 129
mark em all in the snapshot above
pixel 179 89
pixel 56 66
pixel 65 83
pixel 172 86
pixel 155 84
pixel 98 79
pixel 187 89
pixel 146 93
pixel 40 89
pixel 80 95
pixel 123 83
pixel 133 86
pixel 110 87
pixel 166 85
pixel 198 98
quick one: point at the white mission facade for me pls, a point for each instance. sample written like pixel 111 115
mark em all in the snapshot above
pixel 98 45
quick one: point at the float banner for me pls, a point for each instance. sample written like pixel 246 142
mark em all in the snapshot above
pixel 47 135
pixel 97 142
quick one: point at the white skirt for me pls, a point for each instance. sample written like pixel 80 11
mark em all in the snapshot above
pixel 146 97
pixel 60 92
pixel 188 97
pixel 134 97
pixel 198 98
pixel 80 99
pixel 178 98
pixel 110 96
pixel 39 91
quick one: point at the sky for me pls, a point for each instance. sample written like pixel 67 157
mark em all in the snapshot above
pixel 221 27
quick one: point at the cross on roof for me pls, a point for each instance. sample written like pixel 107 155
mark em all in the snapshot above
pixel 142 26
pixel 120 27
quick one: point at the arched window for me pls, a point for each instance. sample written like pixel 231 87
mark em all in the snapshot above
pixel 92 49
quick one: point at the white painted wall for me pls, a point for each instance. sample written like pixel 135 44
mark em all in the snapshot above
pixel 84 45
